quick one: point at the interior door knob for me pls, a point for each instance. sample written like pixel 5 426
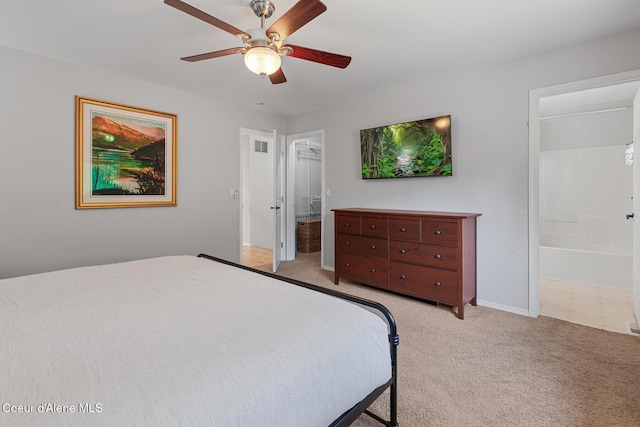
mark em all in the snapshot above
pixel 631 215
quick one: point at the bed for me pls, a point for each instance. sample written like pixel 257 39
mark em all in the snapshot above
pixel 189 341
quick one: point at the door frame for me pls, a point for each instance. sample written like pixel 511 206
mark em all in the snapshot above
pixel 290 210
pixel 278 198
pixel 535 95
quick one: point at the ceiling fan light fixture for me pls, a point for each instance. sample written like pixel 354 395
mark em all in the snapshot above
pixel 263 47
pixel 262 60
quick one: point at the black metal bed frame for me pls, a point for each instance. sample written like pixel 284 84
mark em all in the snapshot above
pixel 352 414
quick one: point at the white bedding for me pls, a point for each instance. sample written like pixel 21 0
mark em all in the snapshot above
pixel 181 341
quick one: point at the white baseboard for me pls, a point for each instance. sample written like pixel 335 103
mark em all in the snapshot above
pixel 508 308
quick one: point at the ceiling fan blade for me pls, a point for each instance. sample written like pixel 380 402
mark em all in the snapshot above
pixel 215 54
pixel 277 77
pixel 197 13
pixel 319 56
pixel 293 19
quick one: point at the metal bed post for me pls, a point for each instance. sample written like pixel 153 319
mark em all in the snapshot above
pixel 394 340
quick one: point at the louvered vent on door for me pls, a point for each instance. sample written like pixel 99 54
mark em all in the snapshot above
pixel 261 146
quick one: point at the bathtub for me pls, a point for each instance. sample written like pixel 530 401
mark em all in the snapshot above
pixel 600 268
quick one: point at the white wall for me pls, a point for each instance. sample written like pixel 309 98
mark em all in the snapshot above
pixel 39 228
pixel 489 114
pixel 596 129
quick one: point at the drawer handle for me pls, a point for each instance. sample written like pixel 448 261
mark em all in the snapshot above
pixel 438 284
pixel 373 270
pixel 347 243
pixel 437 232
pixel 403 251
pixel 373 226
pixel 373 246
pixel 438 256
pixel 347 265
pixel 403 229
pixel 402 276
pixel 346 224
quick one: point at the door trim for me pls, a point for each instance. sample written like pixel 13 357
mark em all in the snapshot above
pixel 535 95
pixel 278 198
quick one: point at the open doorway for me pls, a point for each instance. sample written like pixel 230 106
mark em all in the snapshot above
pixel 581 245
pixel 305 194
pixel 256 156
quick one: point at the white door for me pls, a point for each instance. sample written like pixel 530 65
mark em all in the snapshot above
pixel 278 199
pixel 636 207
pixel 260 192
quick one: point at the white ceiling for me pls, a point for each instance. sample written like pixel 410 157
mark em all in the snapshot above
pixel 389 41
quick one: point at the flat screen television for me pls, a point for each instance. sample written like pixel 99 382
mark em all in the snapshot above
pixel 411 149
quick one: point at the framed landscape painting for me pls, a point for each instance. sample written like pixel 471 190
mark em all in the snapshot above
pixel 125 156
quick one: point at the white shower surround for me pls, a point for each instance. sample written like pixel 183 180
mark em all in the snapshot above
pixel 585 191
pixel 597 268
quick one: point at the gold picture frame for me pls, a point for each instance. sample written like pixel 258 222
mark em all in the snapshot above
pixel 125 156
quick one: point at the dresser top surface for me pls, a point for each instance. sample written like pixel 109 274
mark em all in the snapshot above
pixel 391 212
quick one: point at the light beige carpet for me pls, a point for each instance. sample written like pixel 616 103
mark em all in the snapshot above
pixel 498 369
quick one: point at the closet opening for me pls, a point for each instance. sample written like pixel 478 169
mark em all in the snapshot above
pixel 305 190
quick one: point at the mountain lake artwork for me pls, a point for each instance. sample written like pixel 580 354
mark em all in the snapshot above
pixel 127 155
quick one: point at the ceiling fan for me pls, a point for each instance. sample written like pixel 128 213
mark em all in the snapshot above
pixel 263 48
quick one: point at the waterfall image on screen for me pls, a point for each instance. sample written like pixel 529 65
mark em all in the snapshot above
pixel 411 149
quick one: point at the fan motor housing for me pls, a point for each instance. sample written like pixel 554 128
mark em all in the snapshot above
pixel 262 8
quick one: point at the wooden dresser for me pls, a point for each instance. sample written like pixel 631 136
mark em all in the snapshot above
pixel 428 255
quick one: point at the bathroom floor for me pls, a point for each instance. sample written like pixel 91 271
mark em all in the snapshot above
pixel 597 307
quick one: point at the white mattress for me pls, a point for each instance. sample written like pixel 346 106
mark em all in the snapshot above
pixel 181 341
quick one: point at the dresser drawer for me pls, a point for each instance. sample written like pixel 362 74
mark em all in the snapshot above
pixel 348 224
pixel 422 253
pixel 440 232
pixel 362 245
pixel 362 269
pixel 424 281
pixel 374 227
pixel 404 229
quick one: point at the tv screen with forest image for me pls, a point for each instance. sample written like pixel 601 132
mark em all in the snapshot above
pixel 411 149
